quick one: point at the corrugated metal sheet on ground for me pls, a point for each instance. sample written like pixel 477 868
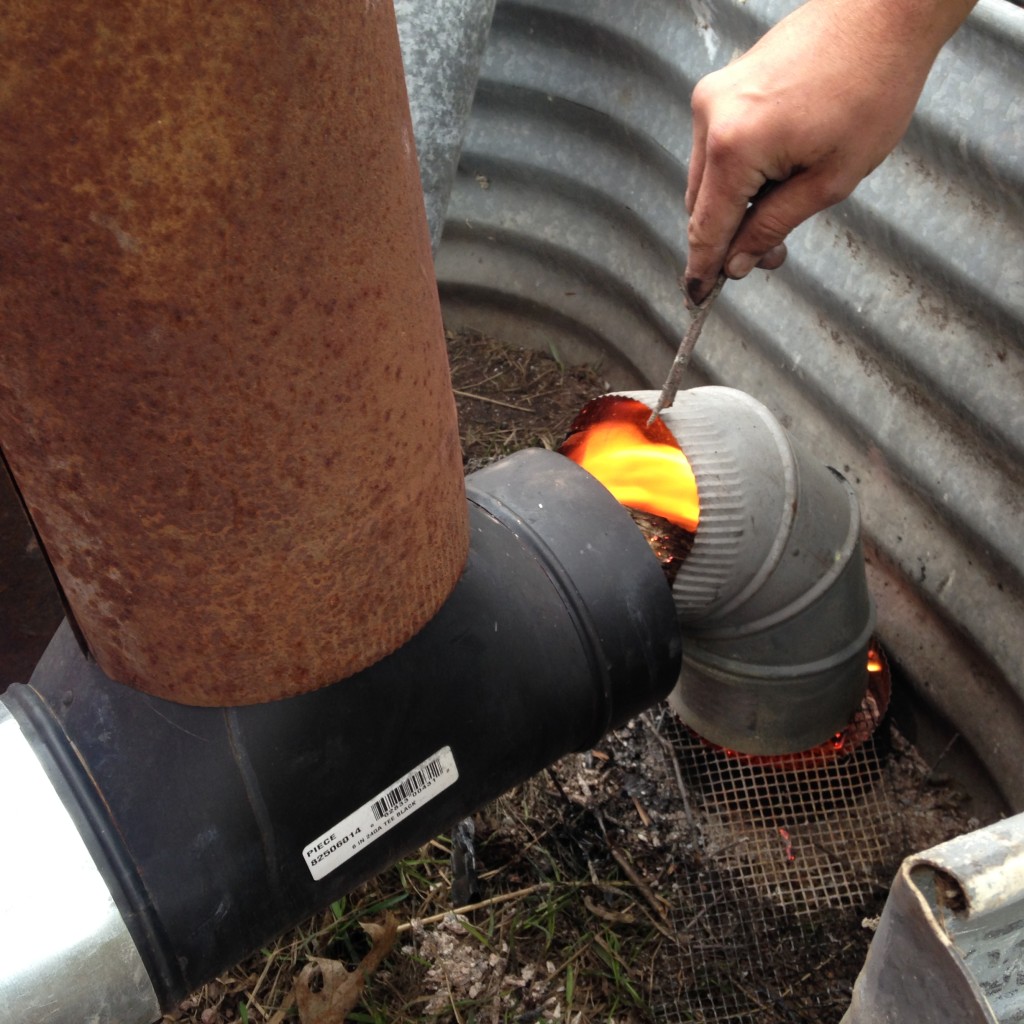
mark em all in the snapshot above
pixel 892 343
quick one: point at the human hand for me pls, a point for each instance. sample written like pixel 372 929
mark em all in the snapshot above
pixel 813 107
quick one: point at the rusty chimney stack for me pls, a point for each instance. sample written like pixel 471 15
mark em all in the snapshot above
pixel 223 383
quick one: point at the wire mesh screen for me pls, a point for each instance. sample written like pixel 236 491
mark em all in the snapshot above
pixel 788 857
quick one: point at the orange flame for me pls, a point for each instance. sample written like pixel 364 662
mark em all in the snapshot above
pixel 643 467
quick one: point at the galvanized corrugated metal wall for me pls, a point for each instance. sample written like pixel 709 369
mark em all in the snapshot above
pixel 892 343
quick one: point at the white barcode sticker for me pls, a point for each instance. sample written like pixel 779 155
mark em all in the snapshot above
pixel 382 813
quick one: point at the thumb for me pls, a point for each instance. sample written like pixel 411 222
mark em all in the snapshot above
pixel 770 220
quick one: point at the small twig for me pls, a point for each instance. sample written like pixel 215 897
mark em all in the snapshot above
pixel 333 926
pixel 271 997
pixel 494 901
pixel 661 927
pixel 715 854
pixel 695 919
pixel 492 401
pixel 263 977
pixel 945 750
pixel 645 890
pixel 611 916
pixel 558 785
pixel 670 749
pixel 486 876
pixel 282 1014
pixel 644 816
pixel 483 380
pixel 255 1004
pixel 451 999
pixel 857 871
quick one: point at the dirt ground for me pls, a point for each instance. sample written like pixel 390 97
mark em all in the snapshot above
pixel 595 882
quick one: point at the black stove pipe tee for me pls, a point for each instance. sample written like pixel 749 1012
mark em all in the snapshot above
pixel 216 829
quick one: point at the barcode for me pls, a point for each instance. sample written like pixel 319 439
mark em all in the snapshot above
pixel 375 818
pixel 412 784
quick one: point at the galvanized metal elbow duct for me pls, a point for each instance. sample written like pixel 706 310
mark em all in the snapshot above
pixel 192 835
pixel 772 598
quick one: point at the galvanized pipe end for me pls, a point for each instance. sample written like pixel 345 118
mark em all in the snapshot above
pixel 66 954
pixel 773 597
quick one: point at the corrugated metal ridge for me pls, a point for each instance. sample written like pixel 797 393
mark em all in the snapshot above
pixel 892 344
pixel 945 457
pixel 635 200
pixel 986 323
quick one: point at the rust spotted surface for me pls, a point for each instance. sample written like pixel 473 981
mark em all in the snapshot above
pixel 223 383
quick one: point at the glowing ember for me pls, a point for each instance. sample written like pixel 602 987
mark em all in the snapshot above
pixel 859 729
pixel 643 467
pixel 788 840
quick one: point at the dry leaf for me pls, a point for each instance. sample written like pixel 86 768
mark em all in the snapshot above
pixel 341 989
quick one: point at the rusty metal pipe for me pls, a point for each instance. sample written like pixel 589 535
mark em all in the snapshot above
pixel 223 384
